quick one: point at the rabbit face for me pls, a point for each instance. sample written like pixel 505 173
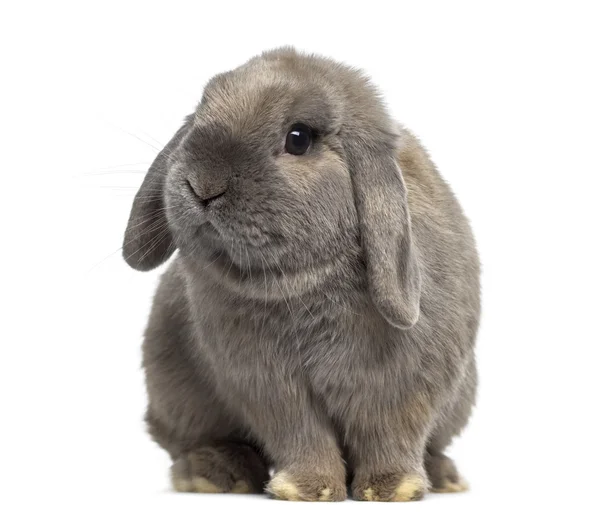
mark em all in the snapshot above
pixel 289 160
pixel 260 175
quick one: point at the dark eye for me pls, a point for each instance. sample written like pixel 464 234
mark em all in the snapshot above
pixel 298 139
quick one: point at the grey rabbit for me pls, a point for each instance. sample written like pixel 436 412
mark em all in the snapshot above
pixel 319 319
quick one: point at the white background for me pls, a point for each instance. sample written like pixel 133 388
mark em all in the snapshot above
pixel 506 98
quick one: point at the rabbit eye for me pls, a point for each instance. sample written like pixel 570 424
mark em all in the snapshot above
pixel 298 139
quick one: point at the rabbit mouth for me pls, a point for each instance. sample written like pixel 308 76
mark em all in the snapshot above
pixel 233 235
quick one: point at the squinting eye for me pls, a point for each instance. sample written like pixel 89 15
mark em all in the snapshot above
pixel 298 139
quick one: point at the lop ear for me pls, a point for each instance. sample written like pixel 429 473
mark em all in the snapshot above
pixel 148 242
pixel 393 276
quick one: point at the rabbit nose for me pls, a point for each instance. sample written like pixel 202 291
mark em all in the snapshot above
pixel 206 192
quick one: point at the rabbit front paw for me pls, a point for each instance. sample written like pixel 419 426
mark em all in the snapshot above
pixel 390 487
pixel 306 487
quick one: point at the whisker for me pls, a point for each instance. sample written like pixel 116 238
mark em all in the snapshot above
pixel 264 319
pixel 213 261
pixel 134 136
pixel 296 292
pixel 230 258
pixel 241 265
pixel 156 242
pixel 152 227
pixel 102 260
pixel 249 267
pixel 161 145
pixel 119 171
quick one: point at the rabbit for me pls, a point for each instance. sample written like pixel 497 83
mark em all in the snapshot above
pixel 314 334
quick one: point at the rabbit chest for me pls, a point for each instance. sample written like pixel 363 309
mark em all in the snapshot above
pixel 336 348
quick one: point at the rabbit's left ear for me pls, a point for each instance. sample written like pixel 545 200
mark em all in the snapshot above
pixel 148 241
pixel 393 276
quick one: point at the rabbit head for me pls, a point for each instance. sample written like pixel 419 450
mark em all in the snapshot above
pixel 289 161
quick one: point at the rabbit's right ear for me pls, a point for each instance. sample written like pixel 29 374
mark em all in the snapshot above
pixel 148 242
pixel 392 264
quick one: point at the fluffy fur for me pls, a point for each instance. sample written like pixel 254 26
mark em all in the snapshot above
pixel 320 316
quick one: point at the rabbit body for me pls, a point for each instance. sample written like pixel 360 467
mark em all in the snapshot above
pixel 297 356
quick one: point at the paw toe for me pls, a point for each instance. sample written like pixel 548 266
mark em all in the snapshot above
pixel 412 487
pixel 203 485
pixel 182 485
pixel 284 486
pixel 241 487
pixel 391 488
pixel 447 486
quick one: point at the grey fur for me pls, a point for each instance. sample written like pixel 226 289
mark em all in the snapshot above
pixel 323 310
